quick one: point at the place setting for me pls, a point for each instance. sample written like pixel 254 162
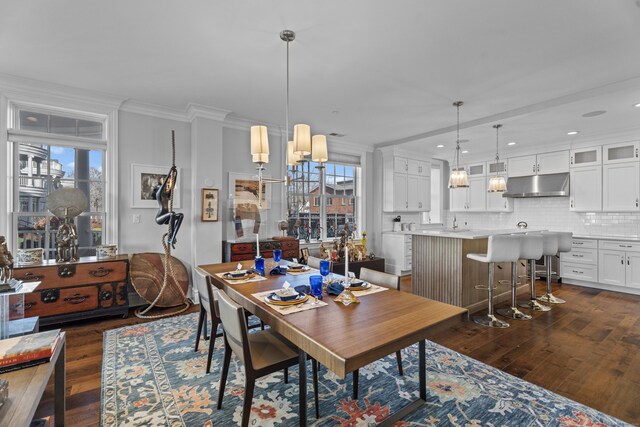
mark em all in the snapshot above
pixel 289 299
pixel 240 275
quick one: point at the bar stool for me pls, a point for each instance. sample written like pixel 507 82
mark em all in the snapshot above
pixel 530 247
pixel 533 249
pixel 500 248
pixel 564 245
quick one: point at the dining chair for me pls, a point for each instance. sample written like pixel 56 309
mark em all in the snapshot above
pixel 262 353
pixel 208 308
pixel 314 262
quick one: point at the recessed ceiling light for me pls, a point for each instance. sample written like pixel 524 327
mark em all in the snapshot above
pixel 465 151
pixel 440 146
pixel 594 113
pixel 637 105
pixel 32 119
pixel 511 143
pixel 573 132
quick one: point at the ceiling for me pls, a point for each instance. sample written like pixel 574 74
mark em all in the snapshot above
pixel 379 72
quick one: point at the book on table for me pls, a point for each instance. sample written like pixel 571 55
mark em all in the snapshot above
pixel 28 350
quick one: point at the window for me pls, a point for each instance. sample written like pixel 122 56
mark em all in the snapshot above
pixel 435 215
pixel 56 152
pixel 340 183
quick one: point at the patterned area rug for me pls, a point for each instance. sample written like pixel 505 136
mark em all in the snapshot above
pixel 152 377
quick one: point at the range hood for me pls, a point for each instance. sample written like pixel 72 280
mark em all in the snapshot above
pixel 553 185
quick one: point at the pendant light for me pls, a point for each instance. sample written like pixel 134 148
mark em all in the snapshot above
pixel 458 177
pixel 497 184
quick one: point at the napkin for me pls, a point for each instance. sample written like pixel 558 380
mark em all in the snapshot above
pixel 303 289
pixel 287 286
pixel 278 270
pixel 335 288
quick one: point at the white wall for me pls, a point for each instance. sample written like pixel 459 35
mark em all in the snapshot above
pixel 147 140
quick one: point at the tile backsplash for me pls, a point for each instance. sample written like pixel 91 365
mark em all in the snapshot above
pixel 550 213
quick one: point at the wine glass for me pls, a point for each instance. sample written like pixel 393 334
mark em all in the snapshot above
pixel 315 281
pixel 277 255
pixel 325 266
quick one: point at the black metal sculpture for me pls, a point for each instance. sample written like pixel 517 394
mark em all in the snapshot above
pixel 166 215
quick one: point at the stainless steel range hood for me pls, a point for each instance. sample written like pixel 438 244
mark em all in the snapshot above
pixel 553 185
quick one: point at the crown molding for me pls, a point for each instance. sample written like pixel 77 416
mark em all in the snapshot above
pixel 393 150
pixel 154 110
pixel 203 111
pixel 39 92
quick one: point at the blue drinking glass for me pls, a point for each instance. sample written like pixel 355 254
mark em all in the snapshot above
pixel 277 255
pixel 325 266
pixel 260 265
pixel 316 286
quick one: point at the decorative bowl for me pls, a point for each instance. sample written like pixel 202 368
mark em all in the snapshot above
pixel 106 251
pixel 29 256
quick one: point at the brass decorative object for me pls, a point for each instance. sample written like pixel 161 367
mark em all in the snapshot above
pixel 66 204
pixel 6 261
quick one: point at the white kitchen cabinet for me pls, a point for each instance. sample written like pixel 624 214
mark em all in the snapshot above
pixel 581 263
pixel 500 167
pixel 621 187
pixel 585 189
pixel 397 252
pixel 418 167
pixel 619 263
pixel 495 201
pixel 620 153
pixel 585 157
pixel 541 164
pixel 471 199
pixel 404 191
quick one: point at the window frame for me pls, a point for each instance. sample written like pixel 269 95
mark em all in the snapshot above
pixel 66 105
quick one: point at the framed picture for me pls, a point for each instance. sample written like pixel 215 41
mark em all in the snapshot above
pixel 244 188
pixel 209 210
pixel 304 255
pixel 144 179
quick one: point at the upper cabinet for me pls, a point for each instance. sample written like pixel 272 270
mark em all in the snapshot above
pixel 473 198
pixel 500 167
pixel 620 153
pixel 585 157
pixel 406 184
pixel 586 180
pixel 541 164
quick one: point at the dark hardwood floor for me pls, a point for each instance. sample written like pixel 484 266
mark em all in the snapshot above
pixel 587 350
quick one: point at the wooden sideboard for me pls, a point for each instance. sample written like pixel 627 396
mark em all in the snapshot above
pixel 355 266
pixel 77 290
pixel 240 251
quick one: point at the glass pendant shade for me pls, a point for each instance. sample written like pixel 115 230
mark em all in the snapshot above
pixel 292 158
pixel 302 140
pixel 319 149
pixel 259 143
pixel 458 179
pixel 497 184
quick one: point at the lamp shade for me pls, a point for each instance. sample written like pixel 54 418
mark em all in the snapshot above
pixel 302 139
pixel 260 158
pixel 319 149
pixel 292 158
pixel 497 184
pixel 458 179
pixel 259 140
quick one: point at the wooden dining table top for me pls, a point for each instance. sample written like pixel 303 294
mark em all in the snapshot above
pixel 343 338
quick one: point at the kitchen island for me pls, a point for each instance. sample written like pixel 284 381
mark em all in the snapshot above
pixel 442 271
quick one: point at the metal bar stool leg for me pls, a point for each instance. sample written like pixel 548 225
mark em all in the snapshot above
pixel 490 319
pixel 549 297
pixel 532 304
pixel 513 312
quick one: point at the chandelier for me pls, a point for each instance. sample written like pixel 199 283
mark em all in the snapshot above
pixel 458 177
pixel 497 184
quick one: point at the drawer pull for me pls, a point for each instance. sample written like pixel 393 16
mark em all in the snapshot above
pixel 578 243
pixel 578 256
pixel 101 272
pixel 625 246
pixel 578 272
pixel 76 299
pixel 30 277
pixel 29 305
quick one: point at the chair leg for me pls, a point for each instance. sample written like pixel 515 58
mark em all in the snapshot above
pixel 490 319
pixel 248 399
pixel 223 376
pixel 513 312
pixel 200 322
pixel 212 343
pixel 204 326
pixel 533 304
pixel 399 359
pixel 286 375
pixel 356 375
pixel 314 366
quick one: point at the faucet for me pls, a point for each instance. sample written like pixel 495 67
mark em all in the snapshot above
pixel 455 223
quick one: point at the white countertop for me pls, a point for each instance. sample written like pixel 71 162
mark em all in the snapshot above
pixel 465 233
pixel 600 237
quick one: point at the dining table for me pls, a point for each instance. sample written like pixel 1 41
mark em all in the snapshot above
pixel 341 337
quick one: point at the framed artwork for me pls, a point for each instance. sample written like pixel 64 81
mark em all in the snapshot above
pixel 209 209
pixel 244 188
pixel 144 179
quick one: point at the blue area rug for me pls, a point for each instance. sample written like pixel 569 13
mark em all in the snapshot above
pixel 152 377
